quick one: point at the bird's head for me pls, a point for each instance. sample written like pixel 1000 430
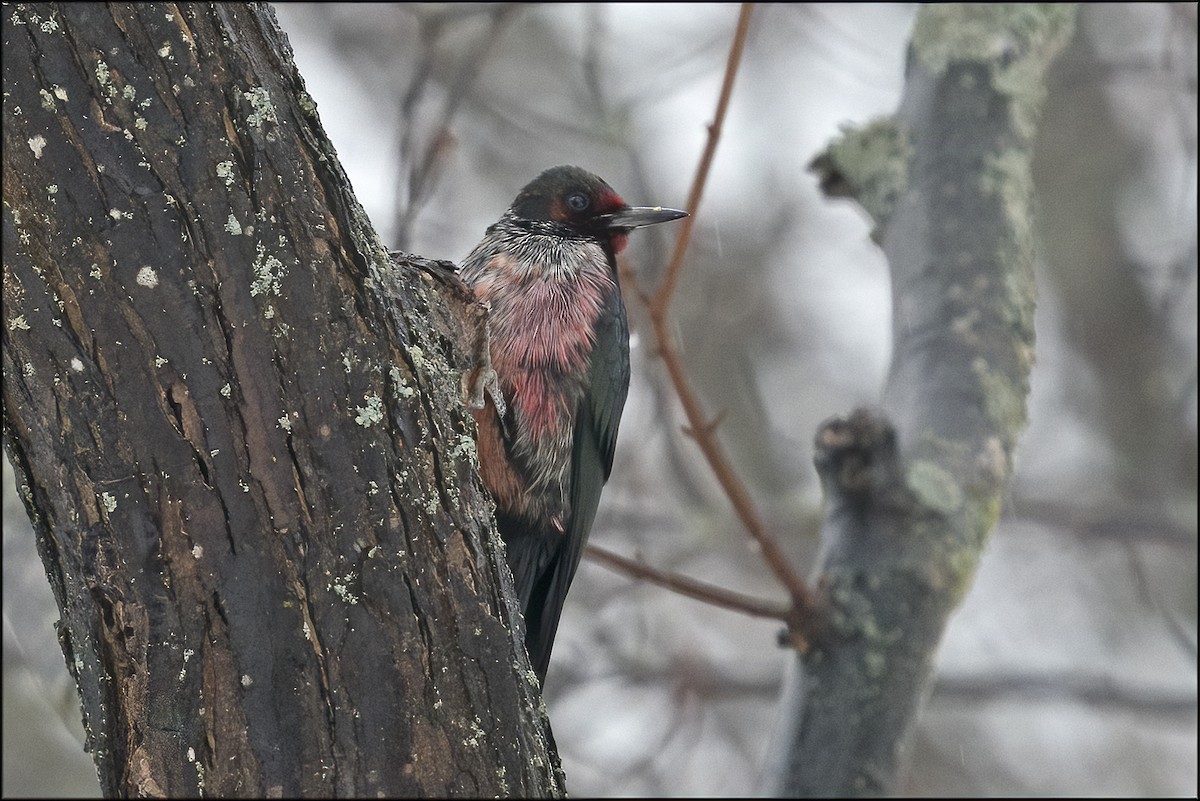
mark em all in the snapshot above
pixel 576 198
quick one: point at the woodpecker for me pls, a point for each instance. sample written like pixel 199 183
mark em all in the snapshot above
pixel 559 345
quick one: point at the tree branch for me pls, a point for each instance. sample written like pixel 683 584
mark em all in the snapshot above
pixel 702 429
pixel 911 498
pixel 666 290
pixel 690 587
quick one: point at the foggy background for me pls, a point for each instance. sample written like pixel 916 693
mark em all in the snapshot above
pixel 1071 667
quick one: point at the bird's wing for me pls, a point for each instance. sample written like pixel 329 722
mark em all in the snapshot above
pixel 596 421
pixel 608 385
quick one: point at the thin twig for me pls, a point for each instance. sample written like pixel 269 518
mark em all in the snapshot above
pixel 692 588
pixel 657 307
pixel 662 298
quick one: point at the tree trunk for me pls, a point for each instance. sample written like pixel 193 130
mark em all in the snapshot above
pixel 913 492
pixel 239 431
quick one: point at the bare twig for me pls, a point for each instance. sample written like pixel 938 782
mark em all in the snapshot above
pixel 658 306
pixel 692 588
pixel 662 298
pixel 700 427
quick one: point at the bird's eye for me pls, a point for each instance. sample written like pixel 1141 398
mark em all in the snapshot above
pixel 578 202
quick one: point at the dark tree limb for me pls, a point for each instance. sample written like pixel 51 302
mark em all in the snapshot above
pixel 913 491
pixel 239 431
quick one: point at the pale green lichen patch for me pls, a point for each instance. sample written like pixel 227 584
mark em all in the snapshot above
pixel 263 108
pixel 465 447
pixel 147 277
pixel 1008 177
pixel 307 104
pixel 340 587
pixel 102 74
pixel 852 615
pixel 874 664
pixel 501 775
pixel 982 514
pixel 402 388
pixel 872 161
pixel 992 463
pixel 1017 40
pixel 935 488
pixel 957 561
pixel 1003 402
pixel 371 413
pixel 476 732
pixel 849 609
pixel 268 271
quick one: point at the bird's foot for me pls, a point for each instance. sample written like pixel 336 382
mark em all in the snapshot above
pixel 480 383
pixel 481 380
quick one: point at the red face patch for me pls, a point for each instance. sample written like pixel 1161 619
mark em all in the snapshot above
pixel 608 201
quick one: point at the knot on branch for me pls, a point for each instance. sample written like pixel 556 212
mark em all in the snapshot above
pixel 869 164
pixel 856 455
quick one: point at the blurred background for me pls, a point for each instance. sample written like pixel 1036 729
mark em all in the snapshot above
pixel 1071 667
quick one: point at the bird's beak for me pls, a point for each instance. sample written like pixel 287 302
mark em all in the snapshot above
pixel 637 216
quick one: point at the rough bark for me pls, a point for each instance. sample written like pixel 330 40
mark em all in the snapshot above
pixel 239 431
pixel 913 490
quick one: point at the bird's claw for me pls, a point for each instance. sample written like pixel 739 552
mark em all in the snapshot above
pixel 485 382
pixel 481 380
